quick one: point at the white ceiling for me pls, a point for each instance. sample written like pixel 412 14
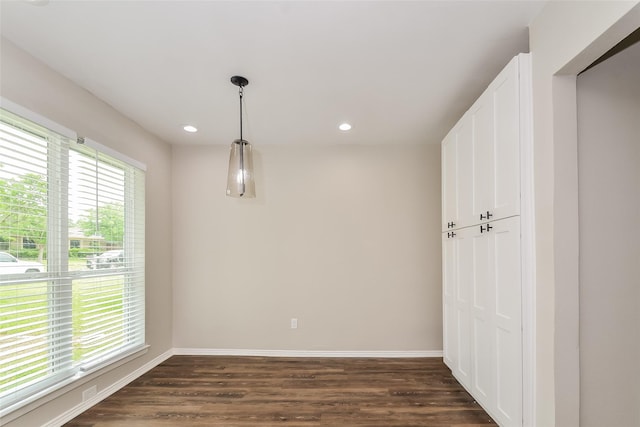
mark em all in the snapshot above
pixel 398 71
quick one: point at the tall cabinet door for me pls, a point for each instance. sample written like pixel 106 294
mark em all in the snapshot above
pixel 507 316
pixel 496 333
pixel 495 135
pixel 449 283
pixel 456 260
pixel 464 277
pixel 482 302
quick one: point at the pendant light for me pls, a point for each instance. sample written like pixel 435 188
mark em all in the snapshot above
pixel 240 178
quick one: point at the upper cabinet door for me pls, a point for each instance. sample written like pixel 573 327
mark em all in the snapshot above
pixel 482 148
pixel 505 192
pixel 495 121
pixel 465 172
pixel 449 181
pixel 456 177
pixel 481 157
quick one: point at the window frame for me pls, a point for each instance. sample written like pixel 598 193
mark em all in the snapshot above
pixel 58 277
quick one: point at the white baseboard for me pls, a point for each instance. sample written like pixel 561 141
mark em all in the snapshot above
pixel 106 392
pixel 302 353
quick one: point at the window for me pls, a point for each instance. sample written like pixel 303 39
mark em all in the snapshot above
pixel 72 217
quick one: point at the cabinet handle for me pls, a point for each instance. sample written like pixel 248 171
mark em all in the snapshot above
pixel 451 224
pixel 483 229
pixel 489 215
pixel 450 235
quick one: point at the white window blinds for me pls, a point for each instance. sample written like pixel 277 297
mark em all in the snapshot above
pixel 71 259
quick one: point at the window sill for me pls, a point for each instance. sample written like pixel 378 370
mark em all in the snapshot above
pixel 83 376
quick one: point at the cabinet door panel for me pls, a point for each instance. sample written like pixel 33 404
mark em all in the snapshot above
pixel 508 320
pixel 495 147
pixel 465 172
pixel 483 156
pixel 449 313
pixel 449 180
pixel 457 176
pixel 506 173
pixel 464 273
pixel 496 349
pixel 482 350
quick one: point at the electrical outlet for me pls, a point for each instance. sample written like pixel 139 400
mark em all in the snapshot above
pixel 89 393
pixel 294 323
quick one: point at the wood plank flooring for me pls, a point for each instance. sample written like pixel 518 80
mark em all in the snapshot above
pixel 258 391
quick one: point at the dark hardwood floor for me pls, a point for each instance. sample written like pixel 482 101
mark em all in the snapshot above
pixel 259 391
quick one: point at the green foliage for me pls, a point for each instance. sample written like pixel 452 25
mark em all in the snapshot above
pixel 80 252
pixel 27 254
pixel 23 208
pixel 33 254
pixel 110 224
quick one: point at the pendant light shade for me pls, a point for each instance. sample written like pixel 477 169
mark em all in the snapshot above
pixel 240 181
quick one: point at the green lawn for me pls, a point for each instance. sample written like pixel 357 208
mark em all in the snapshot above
pixel 96 317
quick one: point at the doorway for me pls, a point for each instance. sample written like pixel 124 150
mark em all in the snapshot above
pixel 608 107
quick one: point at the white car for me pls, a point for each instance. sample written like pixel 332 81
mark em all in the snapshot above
pixel 12 265
pixel 109 259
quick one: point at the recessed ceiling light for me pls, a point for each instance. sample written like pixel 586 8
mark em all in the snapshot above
pixel 190 128
pixel 345 126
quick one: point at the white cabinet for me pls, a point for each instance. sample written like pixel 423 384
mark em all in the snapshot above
pixel 480 156
pixel 482 183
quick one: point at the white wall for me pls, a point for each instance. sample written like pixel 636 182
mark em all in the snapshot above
pixel 33 85
pixel 344 238
pixel 565 38
pixel 609 201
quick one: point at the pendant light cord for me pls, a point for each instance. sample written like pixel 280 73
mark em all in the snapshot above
pixel 241 92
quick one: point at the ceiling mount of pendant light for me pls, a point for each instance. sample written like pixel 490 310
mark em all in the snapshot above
pixel 240 181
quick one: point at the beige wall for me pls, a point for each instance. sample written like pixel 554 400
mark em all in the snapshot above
pixel 344 238
pixel 609 201
pixel 564 39
pixel 36 87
